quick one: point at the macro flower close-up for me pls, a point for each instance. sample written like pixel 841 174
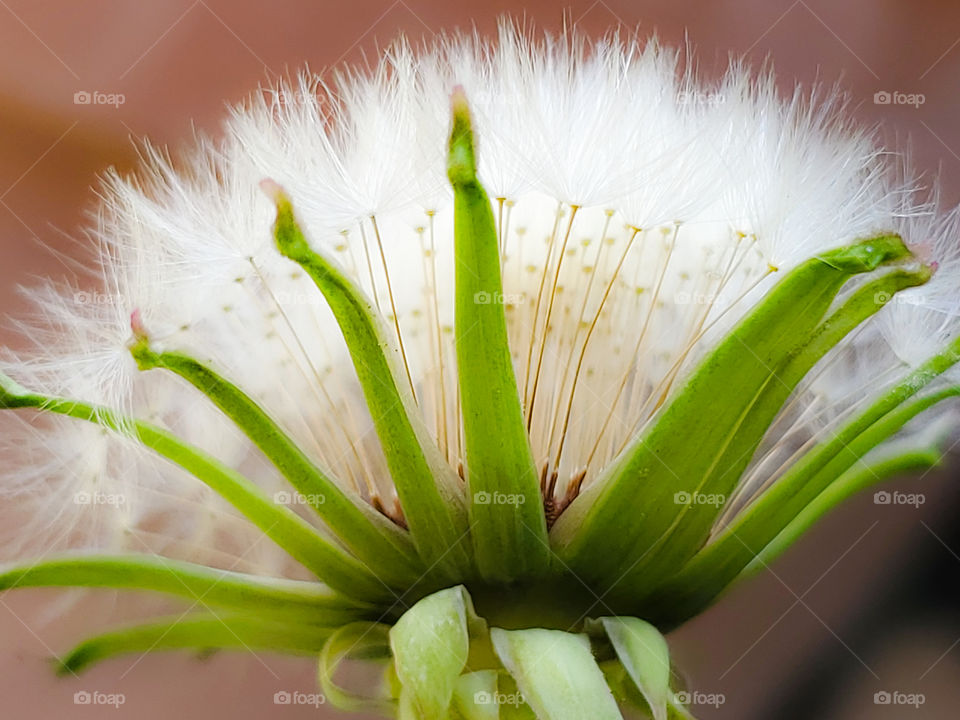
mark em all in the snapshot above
pixel 470 372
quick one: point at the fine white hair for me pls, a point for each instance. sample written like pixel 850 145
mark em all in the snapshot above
pixel 642 212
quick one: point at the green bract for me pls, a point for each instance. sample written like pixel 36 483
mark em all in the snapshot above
pixel 472 609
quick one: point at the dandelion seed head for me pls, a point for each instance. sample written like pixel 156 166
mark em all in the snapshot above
pixel 640 213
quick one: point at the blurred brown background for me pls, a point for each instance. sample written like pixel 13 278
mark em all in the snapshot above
pixel 867 603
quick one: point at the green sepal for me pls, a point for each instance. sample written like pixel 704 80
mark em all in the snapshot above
pixel 628 696
pixel 556 673
pixel 426 485
pixel 513 707
pixel 294 601
pixel 297 537
pixel 431 646
pixel 13 395
pixel 509 536
pixel 362 641
pixel 475 695
pixel 597 535
pixel 719 563
pixel 380 544
pixel 406 707
pixel 862 303
pixel 199 632
pixel 624 690
pixel 851 482
pixel 645 656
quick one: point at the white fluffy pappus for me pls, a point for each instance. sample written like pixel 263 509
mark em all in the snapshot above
pixel 641 213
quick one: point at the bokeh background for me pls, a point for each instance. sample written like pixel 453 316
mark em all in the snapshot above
pixel 867 603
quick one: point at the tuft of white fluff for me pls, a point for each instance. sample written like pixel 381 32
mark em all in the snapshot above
pixel 641 213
